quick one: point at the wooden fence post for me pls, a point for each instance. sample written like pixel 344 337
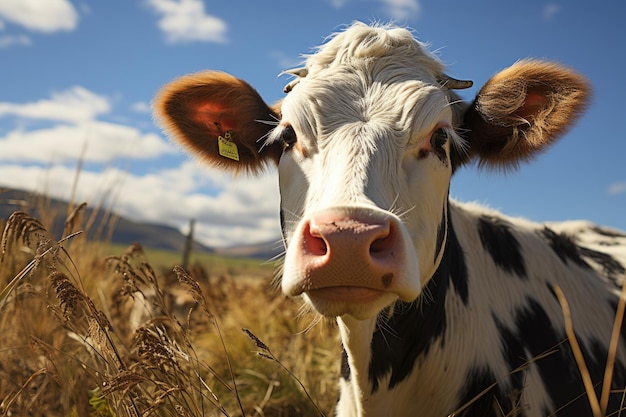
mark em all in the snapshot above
pixel 188 244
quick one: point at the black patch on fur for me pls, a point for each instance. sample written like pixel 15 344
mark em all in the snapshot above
pixel 596 362
pixel 497 239
pixel 534 335
pixel 478 380
pixel 283 228
pixel 614 303
pixel 345 366
pixel 412 328
pixel 608 232
pixel 441 232
pixel 453 266
pixel 558 370
pixel 564 247
pixel 514 355
pixel 281 215
pixel 610 266
pixel 619 371
pixel 567 250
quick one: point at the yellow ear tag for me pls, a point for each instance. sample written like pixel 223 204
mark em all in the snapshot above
pixel 226 148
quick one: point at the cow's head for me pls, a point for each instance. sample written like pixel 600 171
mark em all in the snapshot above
pixel 366 142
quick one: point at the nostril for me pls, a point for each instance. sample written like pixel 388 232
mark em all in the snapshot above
pixel 312 243
pixel 384 243
pixel 380 245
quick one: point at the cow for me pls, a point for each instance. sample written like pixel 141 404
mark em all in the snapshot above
pixel 443 307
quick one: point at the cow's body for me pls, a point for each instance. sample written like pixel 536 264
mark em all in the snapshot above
pixel 439 304
pixel 489 310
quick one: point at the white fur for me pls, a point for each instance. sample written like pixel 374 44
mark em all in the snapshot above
pixel 363 116
pixel 360 124
pixel 471 337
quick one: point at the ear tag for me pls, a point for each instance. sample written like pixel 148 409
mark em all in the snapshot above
pixel 226 147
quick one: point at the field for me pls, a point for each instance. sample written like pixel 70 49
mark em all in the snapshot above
pixel 87 329
pixel 93 329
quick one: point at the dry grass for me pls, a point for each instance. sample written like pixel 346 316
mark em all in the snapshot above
pixel 83 334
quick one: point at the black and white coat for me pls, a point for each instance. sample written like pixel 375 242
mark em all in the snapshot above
pixel 442 307
pixel 489 317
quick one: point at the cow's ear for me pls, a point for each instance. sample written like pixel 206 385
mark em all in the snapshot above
pixel 220 119
pixel 521 111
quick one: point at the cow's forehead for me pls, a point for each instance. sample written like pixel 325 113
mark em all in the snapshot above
pixel 362 43
pixel 368 75
pixel 325 107
pixel 402 103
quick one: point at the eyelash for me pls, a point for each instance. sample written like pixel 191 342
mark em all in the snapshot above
pixel 289 137
pixel 439 138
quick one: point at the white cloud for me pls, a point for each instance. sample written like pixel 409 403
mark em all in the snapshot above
pixel 74 105
pixel 141 107
pixel 550 10
pixel 402 9
pixel 396 9
pixel 241 211
pixel 617 188
pixel 338 4
pixel 76 109
pixel 40 15
pixel 226 218
pixel 57 181
pixel 187 21
pixel 284 61
pixel 10 40
pixel 103 142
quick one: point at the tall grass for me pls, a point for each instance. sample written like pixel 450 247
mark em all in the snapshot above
pixel 85 334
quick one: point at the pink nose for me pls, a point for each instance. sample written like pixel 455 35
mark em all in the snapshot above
pixel 344 249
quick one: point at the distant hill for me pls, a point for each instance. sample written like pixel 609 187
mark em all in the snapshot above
pixel 104 225
pixel 267 250
pixel 118 229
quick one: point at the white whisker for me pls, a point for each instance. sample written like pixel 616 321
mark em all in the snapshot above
pixel 317 319
pixel 266 137
pixel 274 122
pixel 383 325
pixel 459 101
pixel 405 212
pixel 294 214
pixel 393 203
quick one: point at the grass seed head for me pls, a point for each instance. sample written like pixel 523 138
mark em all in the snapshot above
pixel 68 295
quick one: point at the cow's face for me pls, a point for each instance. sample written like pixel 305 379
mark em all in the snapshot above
pixel 366 143
pixel 364 177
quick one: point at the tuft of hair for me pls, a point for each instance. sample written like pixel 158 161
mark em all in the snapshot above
pixel 361 41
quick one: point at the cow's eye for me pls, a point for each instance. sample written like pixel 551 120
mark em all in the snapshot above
pixel 288 136
pixel 438 139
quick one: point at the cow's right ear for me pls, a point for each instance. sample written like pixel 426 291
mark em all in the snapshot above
pixel 521 111
pixel 220 119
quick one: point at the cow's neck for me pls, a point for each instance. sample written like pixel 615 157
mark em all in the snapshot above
pixel 381 353
pixel 356 336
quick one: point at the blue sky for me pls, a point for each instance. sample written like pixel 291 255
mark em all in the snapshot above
pixel 77 77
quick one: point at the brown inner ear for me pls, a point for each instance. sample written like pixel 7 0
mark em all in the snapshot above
pixel 218 119
pixel 521 111
pixel 199 108
pixel 533 105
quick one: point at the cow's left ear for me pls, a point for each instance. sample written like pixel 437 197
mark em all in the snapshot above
pixel 521 111
pixel 219 118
